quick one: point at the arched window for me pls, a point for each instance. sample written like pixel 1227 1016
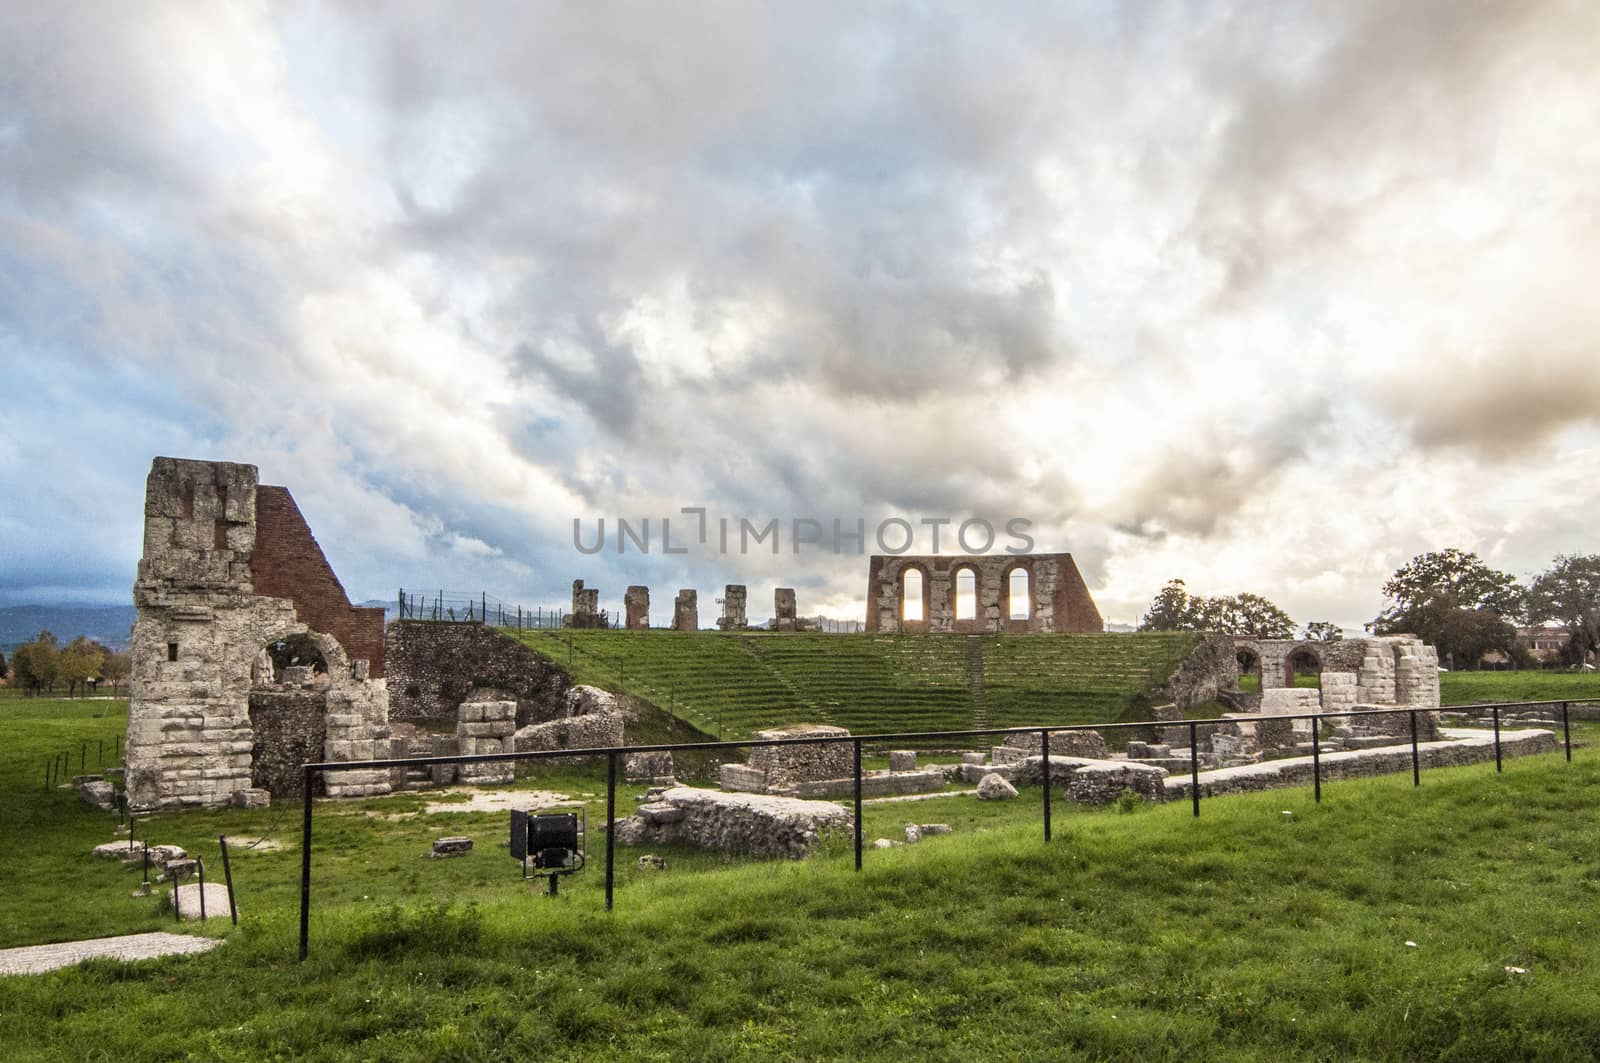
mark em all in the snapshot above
pixel 1020 595
pixel 911 595
pixel 966 594
pixel 1303 669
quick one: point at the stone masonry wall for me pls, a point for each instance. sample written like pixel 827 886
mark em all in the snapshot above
pixel 202 621
pixel 434 666
pixel 486 727
pixel 1059 600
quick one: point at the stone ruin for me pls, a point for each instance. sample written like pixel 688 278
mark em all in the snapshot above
pixel 590 718
pixel 230 568
pixel 585 607
pixel 686 611
pixel 739 823
pixel 823 769
pixel 636 607
pixel 1052 595
pixel 733 608
pixel 783 610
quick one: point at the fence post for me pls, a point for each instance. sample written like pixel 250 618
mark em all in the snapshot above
pixel 1416 758
pixel 857 744
pixel 1316 757
pixel 305 870
pixel 1497 764
pixel 1044 735
pixel 227 876
pixel 200 868
pixel 1194 766
pixel 1566 730
pixel 611 823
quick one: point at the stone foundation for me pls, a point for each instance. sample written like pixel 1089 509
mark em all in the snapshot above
pixel 742 824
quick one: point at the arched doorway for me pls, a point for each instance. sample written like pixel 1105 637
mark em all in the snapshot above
pixel 1249 671
pixel 1018 588
pixel 966 594
pixel 913 597
pixel 288 706
pixel 1302 668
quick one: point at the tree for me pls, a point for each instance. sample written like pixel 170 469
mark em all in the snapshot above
pixel 1451 599
pixel 1170 611
pixel 116 669
pixel 1569 593
pixel 34 663
pixel 1322 631
pixel 79 663
pixel 3 670
pixel 1175 609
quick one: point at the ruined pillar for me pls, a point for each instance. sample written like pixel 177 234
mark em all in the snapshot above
pixel 733 608
pixel 585 606
pixel 783 608
pixel 636 603
pixel 686 611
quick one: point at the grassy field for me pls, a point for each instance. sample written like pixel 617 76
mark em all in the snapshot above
pixel 1471 688
pixel 732 684
pixel 1382 923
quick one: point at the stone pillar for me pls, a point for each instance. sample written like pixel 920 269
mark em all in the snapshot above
pixel 358 729
pixel 686 611
pixel 733 608
pixel 783 606
pixel 1416 678
pixel 636 602
pixel 1375 680
pixel 486 727
pixel 585 606
pixel 1339 694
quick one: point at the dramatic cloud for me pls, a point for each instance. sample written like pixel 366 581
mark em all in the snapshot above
pixel 1266 296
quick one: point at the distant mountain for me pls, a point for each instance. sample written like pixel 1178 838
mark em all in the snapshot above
pixel 106 624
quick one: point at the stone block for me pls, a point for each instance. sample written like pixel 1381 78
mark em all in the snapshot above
pixel 251 797
pixel 993 787
pixel 444 847
pixel 903 760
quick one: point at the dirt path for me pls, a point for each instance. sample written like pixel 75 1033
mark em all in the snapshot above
pixel 37 959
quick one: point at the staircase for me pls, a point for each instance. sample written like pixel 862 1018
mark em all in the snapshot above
pixel 980 712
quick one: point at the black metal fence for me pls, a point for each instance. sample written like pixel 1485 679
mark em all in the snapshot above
pixel 469 608
pixel 611 753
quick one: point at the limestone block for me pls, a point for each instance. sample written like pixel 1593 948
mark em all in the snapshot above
pixel 446 847
pixel 992 787
pixel 903 760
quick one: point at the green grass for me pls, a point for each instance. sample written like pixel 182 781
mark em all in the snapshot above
pixel 1246 934
pixel 1468 688
pixel 733 684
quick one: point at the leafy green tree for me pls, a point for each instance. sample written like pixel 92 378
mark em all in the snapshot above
pixel 78 663
pixel 1322 631
pixel 1569 593
pixel 1170 611
pixel 116 669
pixel 1175 609
pixel 4 672
pixel 1451 599
pixel 35 663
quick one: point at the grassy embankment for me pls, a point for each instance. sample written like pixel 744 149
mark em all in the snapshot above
pixel 1247 933
pixel 731 685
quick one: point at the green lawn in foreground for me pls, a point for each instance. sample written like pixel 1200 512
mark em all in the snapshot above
pixel 1246 934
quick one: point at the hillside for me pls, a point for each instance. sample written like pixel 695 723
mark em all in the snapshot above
pixel 108 625
pixel 734 683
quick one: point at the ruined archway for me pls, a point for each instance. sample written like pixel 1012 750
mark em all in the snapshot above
pixel 1016 591
pixel 288 710
pixel 1302 667
pixel 911 604
pixel 1249 670
pixel 964 593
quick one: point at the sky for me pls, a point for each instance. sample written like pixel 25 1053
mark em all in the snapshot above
pixel 1269 297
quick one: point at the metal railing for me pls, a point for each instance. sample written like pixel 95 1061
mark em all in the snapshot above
pixel 311 770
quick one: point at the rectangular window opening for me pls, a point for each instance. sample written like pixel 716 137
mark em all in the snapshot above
pixel 172 651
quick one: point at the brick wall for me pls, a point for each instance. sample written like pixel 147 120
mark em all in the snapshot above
pixel 288 563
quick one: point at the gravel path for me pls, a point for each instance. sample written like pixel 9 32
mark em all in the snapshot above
pixel 37 959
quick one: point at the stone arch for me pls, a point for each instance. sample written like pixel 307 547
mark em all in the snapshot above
pixel 1249 658
pixel 1301 659
pixel 922 597
pixel 1009 620
pixel 965 600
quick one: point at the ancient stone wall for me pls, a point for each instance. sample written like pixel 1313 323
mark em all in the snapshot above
pixel 203 621
pixel 733 616
pixel 1057 600
pixel 783 609
pixel 486 727
pixel 585 607
pixel 289 729
pixel 435 666
pixel 636 604
pixel 686 611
